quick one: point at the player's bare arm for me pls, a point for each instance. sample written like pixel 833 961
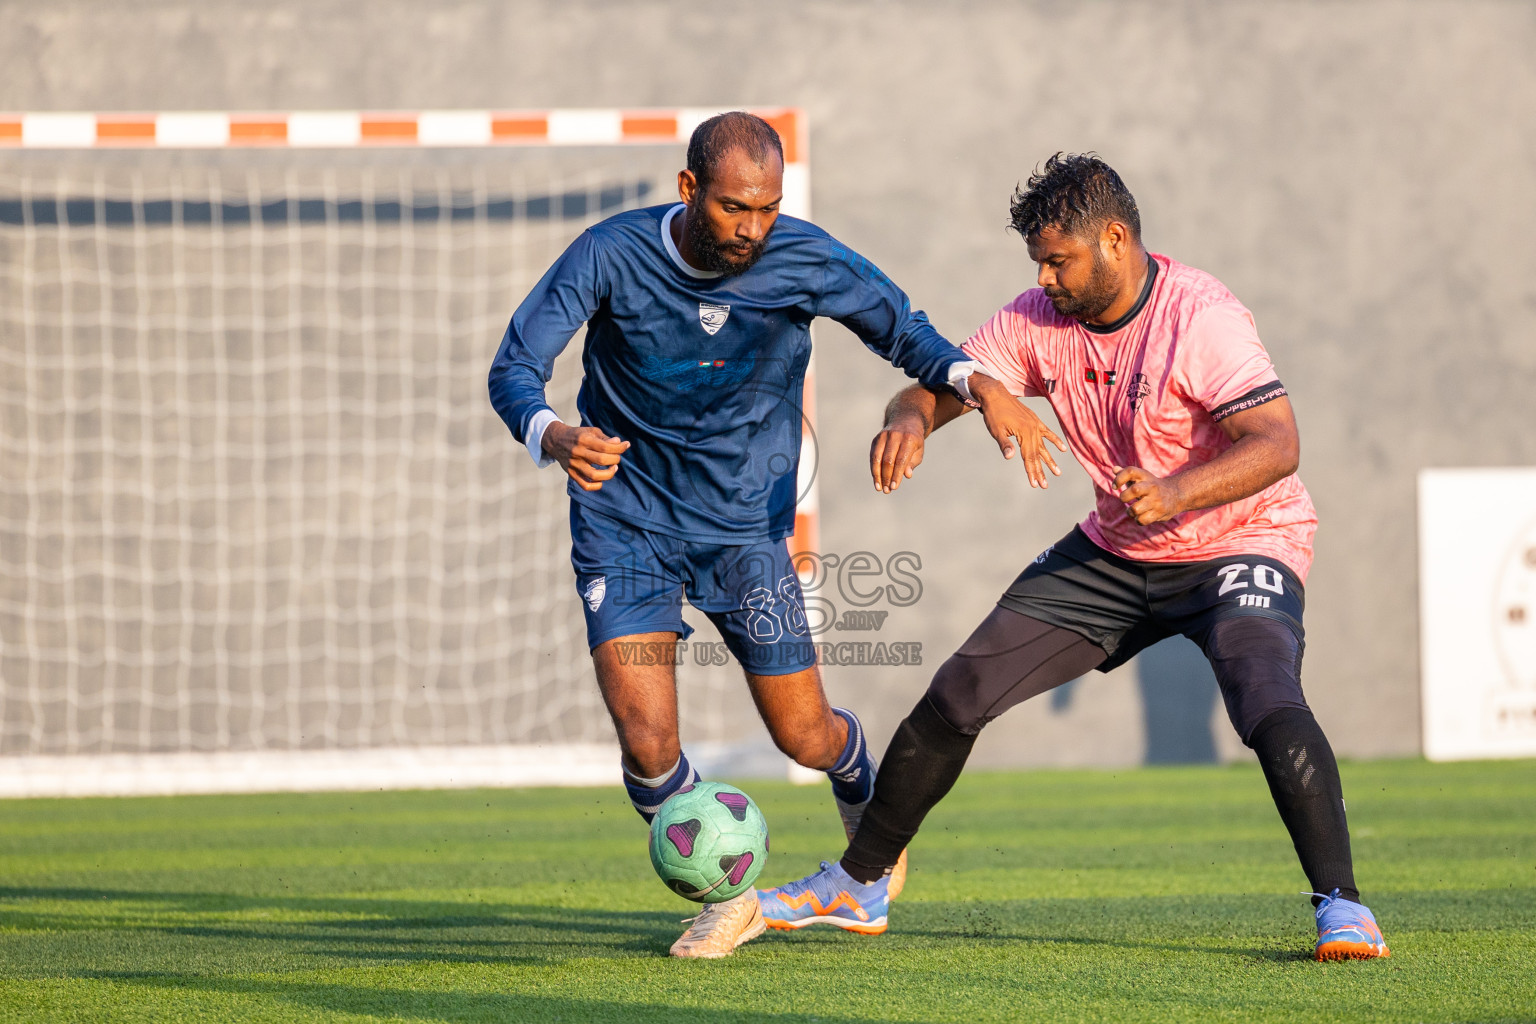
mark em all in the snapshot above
pixel 587 455
pixel 916 412
pixel 913 414
pixel 1266 448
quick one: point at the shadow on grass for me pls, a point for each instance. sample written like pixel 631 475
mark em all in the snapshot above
pixel 368 930
pixel 455 1006
pixel 1126 924
pixel 356 928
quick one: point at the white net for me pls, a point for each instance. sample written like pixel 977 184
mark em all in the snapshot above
pixel 252 494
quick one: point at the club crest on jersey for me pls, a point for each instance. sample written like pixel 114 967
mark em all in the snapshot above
pixel 1139 389
pixel 712 317
pixel 595 592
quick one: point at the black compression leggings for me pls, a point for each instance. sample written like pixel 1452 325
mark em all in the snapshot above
pixel 1012 657
pixel 1008 659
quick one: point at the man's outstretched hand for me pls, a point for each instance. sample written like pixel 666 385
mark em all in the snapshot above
pixel 587 455
pixel 1009 420
pixel 917 412
pixel 1148 499
pixel 896 452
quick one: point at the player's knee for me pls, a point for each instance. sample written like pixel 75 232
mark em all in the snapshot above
pixel 810 748
pixel 650 751
pixel 956 694
pixel 1257 661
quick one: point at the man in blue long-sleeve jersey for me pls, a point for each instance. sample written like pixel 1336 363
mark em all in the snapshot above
pixel 683 470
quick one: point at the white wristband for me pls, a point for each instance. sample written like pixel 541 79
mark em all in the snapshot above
pixel 537 424
pixel 959 379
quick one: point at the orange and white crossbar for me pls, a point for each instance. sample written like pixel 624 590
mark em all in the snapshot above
pixel 344 129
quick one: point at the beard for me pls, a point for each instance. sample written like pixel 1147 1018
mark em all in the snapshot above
pixel 722 259
pixel 1093 298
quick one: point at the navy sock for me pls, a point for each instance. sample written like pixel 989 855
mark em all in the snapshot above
pixel 853 776
pixel 649 794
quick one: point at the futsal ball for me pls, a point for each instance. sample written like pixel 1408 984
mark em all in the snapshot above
pixel 709 842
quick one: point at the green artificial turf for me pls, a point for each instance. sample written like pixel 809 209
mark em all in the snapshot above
pixel 1160 894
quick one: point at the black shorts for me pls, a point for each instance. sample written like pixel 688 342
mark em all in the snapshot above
pixel 1125 607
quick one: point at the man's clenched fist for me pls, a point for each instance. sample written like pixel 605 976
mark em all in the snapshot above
pixel 587 455
pixel 1148 499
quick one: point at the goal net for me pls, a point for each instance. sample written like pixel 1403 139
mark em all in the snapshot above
pixel 259 526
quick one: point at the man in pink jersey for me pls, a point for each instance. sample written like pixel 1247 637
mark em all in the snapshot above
pixel 1200 527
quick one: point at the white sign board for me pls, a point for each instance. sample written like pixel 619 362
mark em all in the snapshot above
pixel 1477 612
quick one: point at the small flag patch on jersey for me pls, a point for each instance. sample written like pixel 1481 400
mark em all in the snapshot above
pixel 1109 376
pixel 1090 375
pixel 712 317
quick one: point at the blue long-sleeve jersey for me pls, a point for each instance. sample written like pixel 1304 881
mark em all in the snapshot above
pixel 703 374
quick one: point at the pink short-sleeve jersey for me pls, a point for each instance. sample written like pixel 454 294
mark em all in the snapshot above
pixel 1152 394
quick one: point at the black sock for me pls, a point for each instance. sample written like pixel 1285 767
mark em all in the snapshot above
pixel 923 761
pixel 1304 780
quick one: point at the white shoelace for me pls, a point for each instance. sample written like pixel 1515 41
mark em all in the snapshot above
pixel 709 908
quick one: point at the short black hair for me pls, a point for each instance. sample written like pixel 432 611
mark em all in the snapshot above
pixel 720 134
pixel 1075 193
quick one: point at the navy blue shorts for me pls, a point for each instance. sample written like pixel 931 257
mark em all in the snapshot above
pixel 633 581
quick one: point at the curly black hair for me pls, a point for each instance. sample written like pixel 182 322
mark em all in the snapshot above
pixel 720 134
pixel 1075 193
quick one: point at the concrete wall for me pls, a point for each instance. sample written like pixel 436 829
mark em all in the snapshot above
pixel 1360 174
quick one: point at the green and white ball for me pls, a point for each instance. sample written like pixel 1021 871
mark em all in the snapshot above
pixel 709 842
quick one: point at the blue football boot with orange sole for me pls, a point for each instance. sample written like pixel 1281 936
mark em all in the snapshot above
pixel 830 896
pixel 1346 930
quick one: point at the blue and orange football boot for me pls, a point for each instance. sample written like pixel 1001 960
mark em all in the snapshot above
pixel 830 896
pixel 1346 930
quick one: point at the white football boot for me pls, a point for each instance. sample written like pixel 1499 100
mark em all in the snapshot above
pixel 721 927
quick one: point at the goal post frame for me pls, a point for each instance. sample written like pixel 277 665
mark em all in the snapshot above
pixel 413 767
